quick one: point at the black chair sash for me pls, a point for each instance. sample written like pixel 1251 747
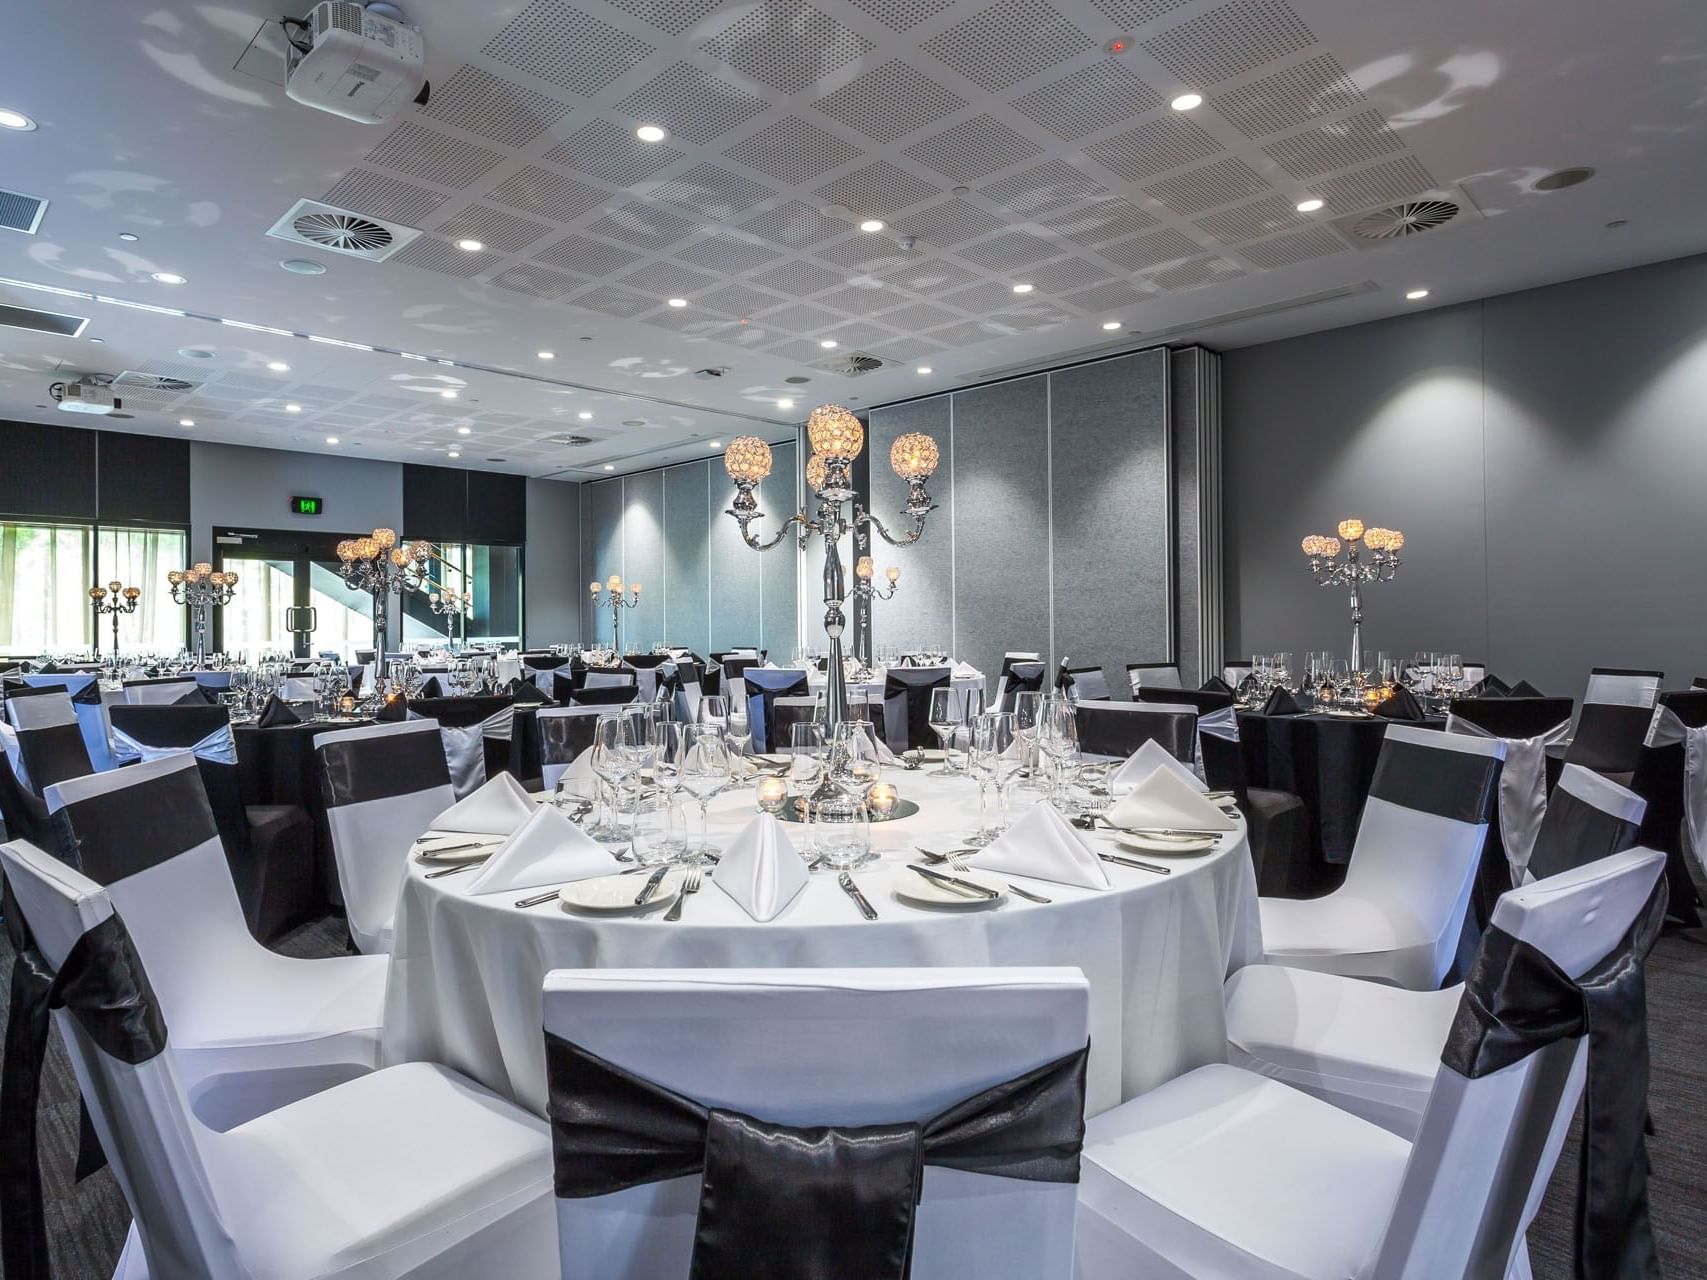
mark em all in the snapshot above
pixel 1517 1001
pixel 1574 833
pixel 103 984
pixel 915 688
pixel 1118 730
pixel 843 1198
pixel 1509 717
pixel 1205 699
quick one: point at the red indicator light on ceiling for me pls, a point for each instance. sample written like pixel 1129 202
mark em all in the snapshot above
pixel 1117 46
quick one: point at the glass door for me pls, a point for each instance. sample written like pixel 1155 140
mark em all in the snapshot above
pixel 285 581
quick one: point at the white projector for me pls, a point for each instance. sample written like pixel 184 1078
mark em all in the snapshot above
pixel 354 62
pixel 85 396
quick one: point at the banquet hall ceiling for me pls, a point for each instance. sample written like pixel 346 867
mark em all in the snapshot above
pixel 1007 138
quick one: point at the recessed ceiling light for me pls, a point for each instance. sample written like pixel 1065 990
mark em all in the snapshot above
pixel 714 444
pixel 186 422
pixel 1111 324
pixel 449 393
pixel 168 277
pixel 827 343
pixel 584 416
pixel 678 302
pixel 470 245
pixel 97 339
pixel 462 431
pixel 924 368
pixel 452 453
pixel 1022 288
pixel 871 224
pixel 785 404
pixel 331 439
pixel 278 366
pixel 10 119
pixel 650 133
pixel 608 467
pixel 1187 102
pixel 548 355
pixel 1416 295
pixel 293 408
pixel 129 237
pixel 1310 205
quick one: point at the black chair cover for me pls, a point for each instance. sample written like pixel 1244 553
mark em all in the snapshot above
pixel 1205 700
pixel 764 687
pixel 1119 730
pixel 611 696
pixel 914 688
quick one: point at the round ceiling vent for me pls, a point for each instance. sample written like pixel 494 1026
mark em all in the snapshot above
pixel 342 231
pixel 1411 218
pixel 308 267
pixel 797 380
pixel 1559 179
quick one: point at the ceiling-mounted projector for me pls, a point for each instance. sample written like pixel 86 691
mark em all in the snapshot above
pixel 354 60
pixel 85 395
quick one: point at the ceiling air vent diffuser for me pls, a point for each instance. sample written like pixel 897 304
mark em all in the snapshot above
pixel 19 212
pixel 851 365
pixel 1411 218
pixel 355 235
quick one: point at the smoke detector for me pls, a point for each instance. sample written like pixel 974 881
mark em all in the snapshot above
pixel 335 230
pixel 851 364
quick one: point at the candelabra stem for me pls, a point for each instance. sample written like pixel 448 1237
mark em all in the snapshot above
pixel 198 630
pixel 835 622
pixel 380 600
pixel 115 635
pixel 1356 628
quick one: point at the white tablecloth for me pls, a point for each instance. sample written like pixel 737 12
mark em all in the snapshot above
pixel 466 971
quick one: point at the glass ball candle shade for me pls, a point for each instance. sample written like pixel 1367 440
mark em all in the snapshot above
pixel 835 432
pixel 748 460
pixel 815 472
pixel 914 456
pixel 1351 529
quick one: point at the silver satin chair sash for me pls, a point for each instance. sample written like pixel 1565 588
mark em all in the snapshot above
pixel 1523 787
pixel 1665 730
pixel 14 757
pixel 1223 723
pixel 465 747
pixel 219 747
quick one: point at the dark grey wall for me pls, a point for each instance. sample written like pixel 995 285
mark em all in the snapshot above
pixel 1544 452
pixel 553 594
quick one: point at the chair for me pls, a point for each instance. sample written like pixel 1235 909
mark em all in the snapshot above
pixel 1398 916
pixel 85 690
pixel 383 785
pixel 1117 729
pixel 686 684
pixel 1277 822
pixel 21 811
pixel 764 686
pixel 1613 722
pixel 907 705
pixel 270 848
pixel 412 1171
pixel 255 1030
pixel 1235 673
pixel 163 691
pixel 542 667
pixel 840 1047
pixel 1671 776
pixel 1204 701
pixel 645 668
pixel 1159 675
pixel 1223 1173
pixel 1082 684
pixel 564 733
pixel 788 711
pixel 50 737
pixel 1372 1049
pixel 1018 676
pixel 465 722
pixel 615 695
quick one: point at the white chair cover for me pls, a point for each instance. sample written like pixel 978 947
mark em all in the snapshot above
pixel 158 693
pixel 1666 730
pixel 1523 787
pixel 827 1046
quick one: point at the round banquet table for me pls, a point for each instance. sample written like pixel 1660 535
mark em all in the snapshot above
pixel 466 970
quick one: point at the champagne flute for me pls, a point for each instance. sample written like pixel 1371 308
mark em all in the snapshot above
pixel 703 768
pixel 1003 749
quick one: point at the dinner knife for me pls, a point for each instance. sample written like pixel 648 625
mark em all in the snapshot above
pixel 852 890
pixel 954 882
pixel 651 886
pixel 461 866
pixel 1133 862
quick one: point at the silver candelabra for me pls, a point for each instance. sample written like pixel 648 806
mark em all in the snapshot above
pixel 381 566
pixel 865 585
pixel 837 437
pixel 203 588
pixel 614 600
pixel 123 601
pixel 1330 571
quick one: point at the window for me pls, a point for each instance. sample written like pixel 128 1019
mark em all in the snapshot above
pixel 143 558
pixel 46 571
pixel 492 574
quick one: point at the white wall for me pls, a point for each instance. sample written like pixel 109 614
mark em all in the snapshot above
pixel 251 489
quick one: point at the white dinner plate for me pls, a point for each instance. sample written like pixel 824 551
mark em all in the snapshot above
pixel 1220 797
pixel 481 847
pixel 1152 843
pixel 919 891
pixel 1350 715
pixel 776 759
pixel 615 894
pixel 928 753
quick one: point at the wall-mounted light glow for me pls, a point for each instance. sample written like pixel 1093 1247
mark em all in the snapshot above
pixel 650 133
pixel 1187 102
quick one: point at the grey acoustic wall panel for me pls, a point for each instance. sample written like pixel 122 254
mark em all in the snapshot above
pixel 603 546
pixel 735 571
pixel 1194 392
pixel 687 498
pixel 643 559
pixel 1112 545
pixel 923 609
pixel 1001 521
pixel 779 598
pixel 554 593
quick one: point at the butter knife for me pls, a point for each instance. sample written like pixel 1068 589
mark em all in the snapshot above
pixel 852 890
pixel 427 854
pixel 651 886
pixel 954 882
pixel 1133 862
pixel 461 866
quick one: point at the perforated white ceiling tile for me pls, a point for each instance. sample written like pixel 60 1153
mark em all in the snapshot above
pixel 1029 319
pixel 615 302
pixel 738 301
pixel 1383 183
pixel 692 104
pixel 1229 40
pixel 788 347
pixel 916 317
pixel 1156 147
pixel 1194 275
pixel 861 300
pixel 1338 144
pixel 726 254
pixel 493 228
pixel 1283 251
pixel 421 153
pixel 906 350
pixel 1153 249
pixel 714 193
pixel 694 324
pixel 798 278
pixel 866 255
pixel 964 334
pixel 500 111
pixel 1009 42
pixel 1009 251
pixel 877 190
pixel 589 257
pixel 1114 296
pixel 861 333
pixel 1251 221
pixel 1065 274
pixel 1129 15
pixel 1207 186
pixel 793 152
pixel 562 43
pixel 645 226
pixel 1288 98
pixel 1100 222
pixel 1042 189
pixel 972 149
pixel 610 153
pixel 928 276
pixel 950 223
pixel 666 280
pixel 889 102
pixel 363 191
pixel 981 299
pixel 902 15
pixel 786 44
pixel 1094 98
pixel 674 16
pixel 795 225
pixel 800 317
pixel 554 195
pixel 432 254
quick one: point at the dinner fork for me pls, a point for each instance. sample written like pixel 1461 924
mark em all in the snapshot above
pixel 960 867
pixel 692 886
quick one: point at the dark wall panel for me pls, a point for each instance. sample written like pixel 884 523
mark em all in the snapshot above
pixel 497 507
pixel 47 472
pixel 143 479
pixel 435 503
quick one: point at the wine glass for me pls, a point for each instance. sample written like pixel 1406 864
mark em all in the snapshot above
pixel 615 759
pixel 1001 748
pixel 942 715
pixel 703 769
pixel 805 751
pixel 1057 737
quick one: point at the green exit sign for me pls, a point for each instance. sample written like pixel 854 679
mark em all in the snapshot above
pixel 306 507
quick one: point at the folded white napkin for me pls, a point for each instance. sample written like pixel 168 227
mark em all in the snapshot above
pixel 1041 844
pixel 546 849
pixel 497 809
pixel 1145 761
pixel 761 870
pixel 1165 800
pixel 578 773
pixel 964 671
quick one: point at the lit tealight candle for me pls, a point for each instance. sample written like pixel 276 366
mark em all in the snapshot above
pixel 773 795
pixel 882 799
